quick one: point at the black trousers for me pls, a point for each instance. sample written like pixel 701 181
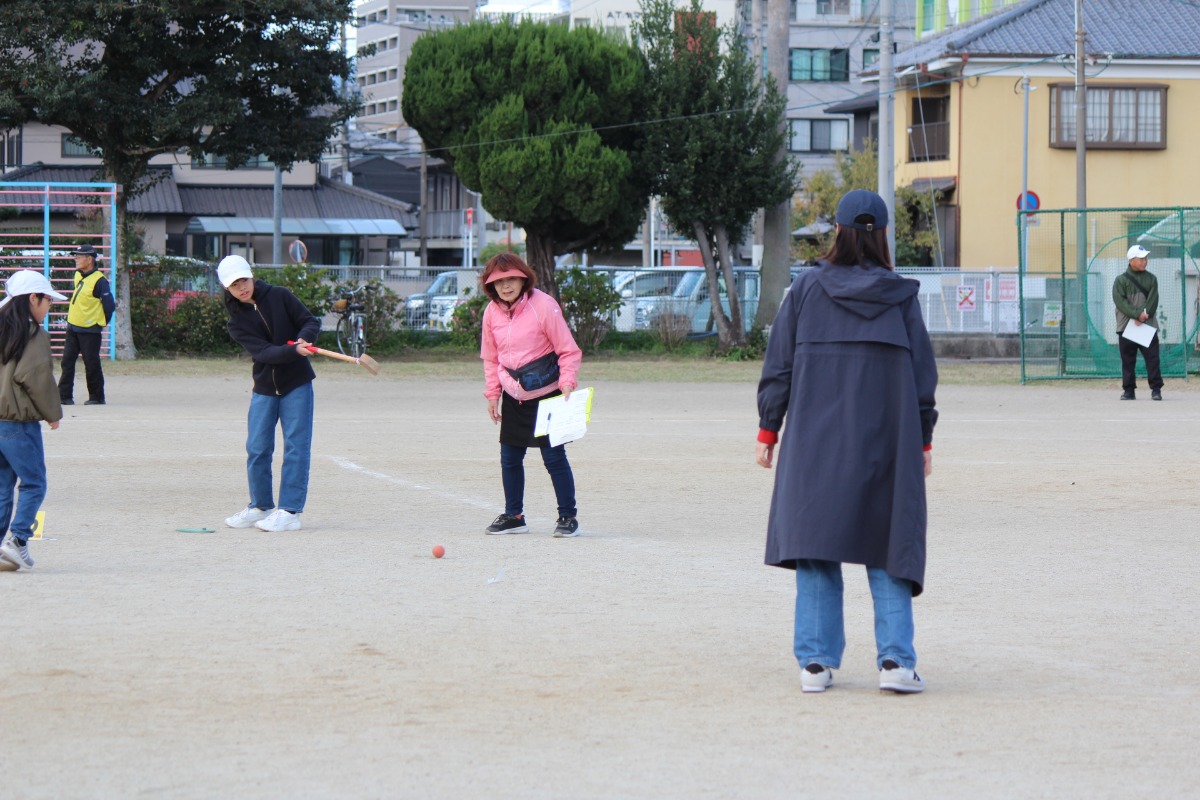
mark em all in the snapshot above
pixel 1129 351
pixel 87 344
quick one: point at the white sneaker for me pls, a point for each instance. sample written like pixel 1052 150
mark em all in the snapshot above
pixel 15 554
pixel 279 520
pixel 902 680
pixel 245 518
pixel 817 681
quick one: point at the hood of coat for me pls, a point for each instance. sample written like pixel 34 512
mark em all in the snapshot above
pixel 868 291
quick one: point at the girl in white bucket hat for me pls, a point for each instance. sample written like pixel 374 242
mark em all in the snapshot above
pixel 28 395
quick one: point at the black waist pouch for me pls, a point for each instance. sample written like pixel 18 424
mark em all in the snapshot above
pixel 537 374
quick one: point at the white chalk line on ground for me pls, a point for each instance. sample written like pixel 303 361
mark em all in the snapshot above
pixel 346 463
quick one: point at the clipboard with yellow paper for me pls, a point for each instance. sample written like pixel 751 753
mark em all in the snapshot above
pixel 564 420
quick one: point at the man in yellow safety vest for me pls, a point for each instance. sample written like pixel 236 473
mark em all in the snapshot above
pixel 91 309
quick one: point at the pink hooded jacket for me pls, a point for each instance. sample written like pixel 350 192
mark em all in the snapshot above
pixel 533 327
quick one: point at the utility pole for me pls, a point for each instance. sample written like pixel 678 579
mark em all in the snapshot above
pixel 777 220
pixel 1081 249
pixel 887 127
pixel 756 37
pixel 1024 218
pixel 277 222
pixel 423 208
pixel 345 126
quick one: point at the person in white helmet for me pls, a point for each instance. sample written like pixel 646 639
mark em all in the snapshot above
pixel 276 330
pixel 28 395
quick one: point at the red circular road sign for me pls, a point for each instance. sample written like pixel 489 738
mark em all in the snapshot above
pixel 298 251
pixel 1032 202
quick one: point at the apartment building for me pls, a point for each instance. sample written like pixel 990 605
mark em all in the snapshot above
pixel 831 43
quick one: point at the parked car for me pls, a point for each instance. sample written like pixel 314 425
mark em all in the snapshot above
pixel 689 303
pixel 429 309
pixel 639 285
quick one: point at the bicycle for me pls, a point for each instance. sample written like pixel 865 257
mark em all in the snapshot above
pixel 351 324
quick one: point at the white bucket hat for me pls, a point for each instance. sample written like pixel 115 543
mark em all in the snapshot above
pixel 233 268
pixel 26 281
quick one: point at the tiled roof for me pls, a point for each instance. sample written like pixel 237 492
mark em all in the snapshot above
pixel 160 198
pixel 861 102
pixel 1156 29
pixel 326 200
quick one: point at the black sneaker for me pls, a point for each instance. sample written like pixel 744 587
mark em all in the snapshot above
pixel 508 524
pixel 1128 395
pixel 94 403
pixel 67 402
pixel 566 527
pixel 1156 394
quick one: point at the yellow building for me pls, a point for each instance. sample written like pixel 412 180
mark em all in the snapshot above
pixel 960 122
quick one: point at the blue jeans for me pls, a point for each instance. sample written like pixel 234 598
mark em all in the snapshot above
pixel 21 456
pixel 820 625
pixel 294 413
pixel 512 473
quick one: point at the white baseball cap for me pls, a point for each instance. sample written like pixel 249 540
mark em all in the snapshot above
pixel 1137 251
pixel 233 268
pixel 26 281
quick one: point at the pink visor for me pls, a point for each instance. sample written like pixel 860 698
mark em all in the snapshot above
pixel 505 273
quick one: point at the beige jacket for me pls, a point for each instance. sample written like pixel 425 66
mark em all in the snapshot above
pixel 28 392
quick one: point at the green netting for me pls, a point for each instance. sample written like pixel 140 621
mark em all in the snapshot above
pixel 1068 321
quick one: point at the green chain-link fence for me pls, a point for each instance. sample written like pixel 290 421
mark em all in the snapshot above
pixel 1068 322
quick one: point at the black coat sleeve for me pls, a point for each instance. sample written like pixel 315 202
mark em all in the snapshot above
pixel 103 293
pixel 924 367
pixel 248 328
pixel 775 386
pixel 308 327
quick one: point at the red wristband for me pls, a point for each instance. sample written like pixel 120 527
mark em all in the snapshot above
pixel 767 437
pixel 928 448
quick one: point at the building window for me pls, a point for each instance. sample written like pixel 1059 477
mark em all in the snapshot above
pixel 826 7
pixel 210 161
pixel 74 147
pixel 819 65
pixel 1119 116
pixel 870 57
pixel 929 129
pixel 925 13
pixel 818 135
pixel 10 149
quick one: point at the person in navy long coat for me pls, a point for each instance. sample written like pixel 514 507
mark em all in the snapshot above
pixel 850 367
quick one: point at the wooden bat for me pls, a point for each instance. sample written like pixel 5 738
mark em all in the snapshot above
pixel 365 361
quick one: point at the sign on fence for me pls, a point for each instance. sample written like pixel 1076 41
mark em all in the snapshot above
pixel 966 298
pixel 1006 292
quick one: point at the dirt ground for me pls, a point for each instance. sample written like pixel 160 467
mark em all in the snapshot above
pixel 649 658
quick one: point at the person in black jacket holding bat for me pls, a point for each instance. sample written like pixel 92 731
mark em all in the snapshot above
pixel 1135 294
pixel 276 330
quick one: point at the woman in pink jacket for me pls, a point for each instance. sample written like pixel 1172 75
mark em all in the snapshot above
pixel 528 355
